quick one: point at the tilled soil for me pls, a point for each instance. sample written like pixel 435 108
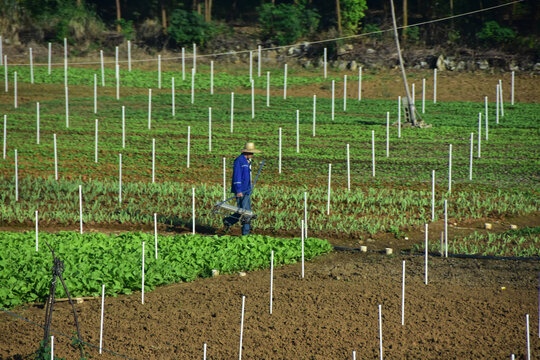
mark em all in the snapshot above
pixel 471 309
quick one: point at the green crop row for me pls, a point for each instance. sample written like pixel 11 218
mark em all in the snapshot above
pixel 91 260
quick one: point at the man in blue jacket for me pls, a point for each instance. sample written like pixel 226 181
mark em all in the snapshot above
pixel 241 185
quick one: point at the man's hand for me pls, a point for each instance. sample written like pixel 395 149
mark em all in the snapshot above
pixel 239 195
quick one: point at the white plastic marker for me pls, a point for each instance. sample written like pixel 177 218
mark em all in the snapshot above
pixel 413 93
pixel 250 66
pixel 348 169
pixel 6 72
pixel 52 347
pixel 183 64
pixel 403 296
pixel 302 246
pixel 445 228
pixel 31 66
pixel 142 275
pixel 5 134
pixel 117 84
pixel 432 195
pixel 193 209
pixel 333 91
pixel 172 97
pixel 253 99
pixel 373 151
pixel 329 188
pixel 471 156
pixel 194 57
pixel 528 337
pixel 211 78
pixel 241 327
pixel 224 180
pixel 450 169
pixel 279 160
pixel 55 159
pixel 344 92
pixel 101 322
pixel 159 71
pixel 259 62
pixel 37 232
pixel 387 134
pixel 354 355
pixel 149 108
pixel 512 91
pixel 188 143
pixel 434 86
pixel 423 96
pixel 497 106
pixel 305 215
pixel 155 236
pixel 192 86
pixel 297 131
pixel 95 93
pixel 380 333
pixel 426 249
pixel 153 161
pixel 102 69
pixel 16 177
pixel 399 117
pixel 116 68
pixel 80 209
pixel 271 279
pixel 285 83
pixel 486 118
pixel 324 62
pixel 232 111
pixel 119 178
pixel 49 60
pixel 360 83
pixel 65 63
pixel 204 351
pixel 314 112
pixel 129 55
pixel 501 102
pixel 15 89
pixel 268 89
pixel 96 143
pixel 37 123
pixel 123 127
pixel 479 132
pixel 209 129
pixel 67 107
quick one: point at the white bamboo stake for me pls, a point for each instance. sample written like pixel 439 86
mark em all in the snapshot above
pixel 305 215
pixel 159 71
pixel 380 333
pixel 479 133
pixel 96 143
pixel 250 66
pixel 241 327
pixel 471 156
pixel 426 248
pixel 399 116
pixel 434 86
pixel 259 62
pixel 501 101
pixel 279 160
pixel 285 83
pixel 314 112
pixel 450 169
pixel 403 296
pixel 37 123
pixel 271 279
pixel 211 78
pixel 253 99
pixel 302 247
pixel 119 178
pixel 102 69
pixel 65 63
pixel 49 60
pixel 192 85
pixel 193 209
pixel 373 151
pixel 52 347
pixel 348 169
pixel 55 159
pixel 142 275
pixel 224 181
pixel 333 92
pixel 413 93
pixel 95 93
pixel 183 64
pixel 37 231
pixel 209 129
pixel 5 135
pixel 344 92
pixel 15 89
pixel 149 108
pixel 116 69
pixel 497 106
pixel 101 322
pixel 1 51
pixel 31 66
pixel 6 72
pixel 445 228
pixel 359 83
pixel 155 236
pixel 423 96
pixel 329 188
pixel 297 131
pixel 512 91
pixel 433 195
pixel 67 108
pixel 324 62
pixel 16 177
pixel 486 122
pixel 80 209
pixel 354 355
pixel 528 337
pixel 188 143
pixel 268 89
pixel 232 111
pixel 194 58
pixel 153 161
pixel 123 127
pixel 129 55
pixel 204 351
pixel 117 84
pixel 387 134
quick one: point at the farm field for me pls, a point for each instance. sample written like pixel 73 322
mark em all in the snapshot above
pixel 464 311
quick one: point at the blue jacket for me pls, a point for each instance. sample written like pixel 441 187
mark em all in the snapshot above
pixel 241 179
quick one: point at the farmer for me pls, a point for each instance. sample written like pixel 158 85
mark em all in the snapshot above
pixel 241 186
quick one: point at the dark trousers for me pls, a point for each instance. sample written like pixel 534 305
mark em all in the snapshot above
pixel 243 202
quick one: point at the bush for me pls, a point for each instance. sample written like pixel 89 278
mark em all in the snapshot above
pixel 285 23
pixel 189 27
pixel 351 13
pixel 493 34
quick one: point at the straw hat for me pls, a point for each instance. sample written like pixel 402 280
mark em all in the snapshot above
pixel 250 148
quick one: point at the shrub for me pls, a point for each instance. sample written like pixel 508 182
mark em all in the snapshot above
pixel 351 13
pixel 189 27
pixel 493 34
pixel 285 23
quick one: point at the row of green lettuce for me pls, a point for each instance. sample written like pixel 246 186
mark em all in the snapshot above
pixel 92 260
